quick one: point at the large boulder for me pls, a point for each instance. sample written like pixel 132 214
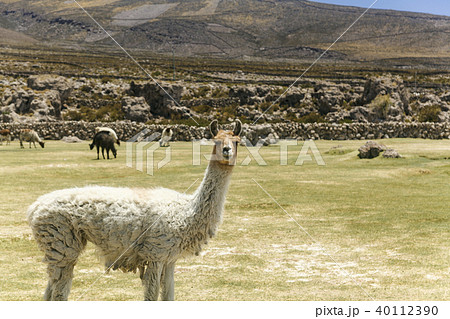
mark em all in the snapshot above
pixel 329 99
pixel 371 150
pixel 50 82
pixel 159 97
pixel 391 153
pixel 362 114
pixel 136 109
pixel 246 95
pixel 387 86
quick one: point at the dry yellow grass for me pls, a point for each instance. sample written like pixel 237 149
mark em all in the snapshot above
pixel 384 221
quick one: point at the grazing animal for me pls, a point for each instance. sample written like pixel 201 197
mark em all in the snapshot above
pixel 5 135
pixel 105 141
pixel 31 136
pixel 110 131
pixel 166 136
pixel 133 229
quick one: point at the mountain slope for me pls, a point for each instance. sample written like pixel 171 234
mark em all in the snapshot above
pixel 233 28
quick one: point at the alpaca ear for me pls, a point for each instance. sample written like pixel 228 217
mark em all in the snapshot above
pixel 237 128
pixel 214 127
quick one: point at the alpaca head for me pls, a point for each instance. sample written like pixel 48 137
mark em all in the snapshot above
pixel 41 144
pixel 226 142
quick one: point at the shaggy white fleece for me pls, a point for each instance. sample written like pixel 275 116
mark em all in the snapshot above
pixel 133 229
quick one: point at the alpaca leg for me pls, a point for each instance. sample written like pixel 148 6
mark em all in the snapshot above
pixel 151 280
pixel 98 152
pixel 167 283
pixel 62 245
pixel 49 290
pixel 60 282
pixel 103 152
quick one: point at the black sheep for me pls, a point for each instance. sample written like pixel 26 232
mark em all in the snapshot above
pixel 105 141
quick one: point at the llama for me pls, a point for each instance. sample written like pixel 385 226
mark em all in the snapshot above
pixel 105 141
pixel 5 135
pixel 166 136
pixel 28 135
pixel 133 229
pixel 110 131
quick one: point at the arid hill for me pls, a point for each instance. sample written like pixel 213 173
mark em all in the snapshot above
pixel 232 29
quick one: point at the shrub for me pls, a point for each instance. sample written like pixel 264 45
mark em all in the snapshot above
pixel 429 113
pixel 107 113
pixel 268 108
pixel 313 117
pixel 201 92
pixel 347 105
pixel 186 97
pixel 381 105
pixel 279 90
pixel 105 79
pixel 73 116
pixel 86 88
pixel 218 93
pixel 201 108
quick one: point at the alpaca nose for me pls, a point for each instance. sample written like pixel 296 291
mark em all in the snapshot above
pixel 226 150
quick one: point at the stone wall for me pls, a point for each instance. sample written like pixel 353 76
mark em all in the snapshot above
pixel 126 130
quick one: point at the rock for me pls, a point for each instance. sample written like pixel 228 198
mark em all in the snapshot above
pixel 244 94
pixel 391 153
pixel 136 109
pixel 51 82
pixel 329 99
pixel 378 85
pixel 71 139
pixel 370 150
pixel 362 114
pixel 156 96
pixel 271 139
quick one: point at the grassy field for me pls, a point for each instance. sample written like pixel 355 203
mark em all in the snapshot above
pixel 379 226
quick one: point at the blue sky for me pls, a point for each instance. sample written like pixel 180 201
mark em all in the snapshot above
pixel 441 7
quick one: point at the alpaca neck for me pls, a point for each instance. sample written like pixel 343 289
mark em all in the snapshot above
pixel 208 203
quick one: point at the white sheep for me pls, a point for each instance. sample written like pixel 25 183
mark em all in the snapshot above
pixel 133 229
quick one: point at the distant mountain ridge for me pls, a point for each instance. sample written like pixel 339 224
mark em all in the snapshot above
pixel 267 29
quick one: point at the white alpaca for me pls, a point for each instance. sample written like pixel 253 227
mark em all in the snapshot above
pixel 133 229
pixel 166 136
pixel 31 136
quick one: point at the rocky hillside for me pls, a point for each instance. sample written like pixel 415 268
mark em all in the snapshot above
pixel 232 29
pixel 375 99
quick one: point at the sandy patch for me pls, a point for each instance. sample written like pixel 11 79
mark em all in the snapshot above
pixel 141 15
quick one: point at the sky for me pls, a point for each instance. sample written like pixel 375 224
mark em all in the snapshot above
pixel 441 7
